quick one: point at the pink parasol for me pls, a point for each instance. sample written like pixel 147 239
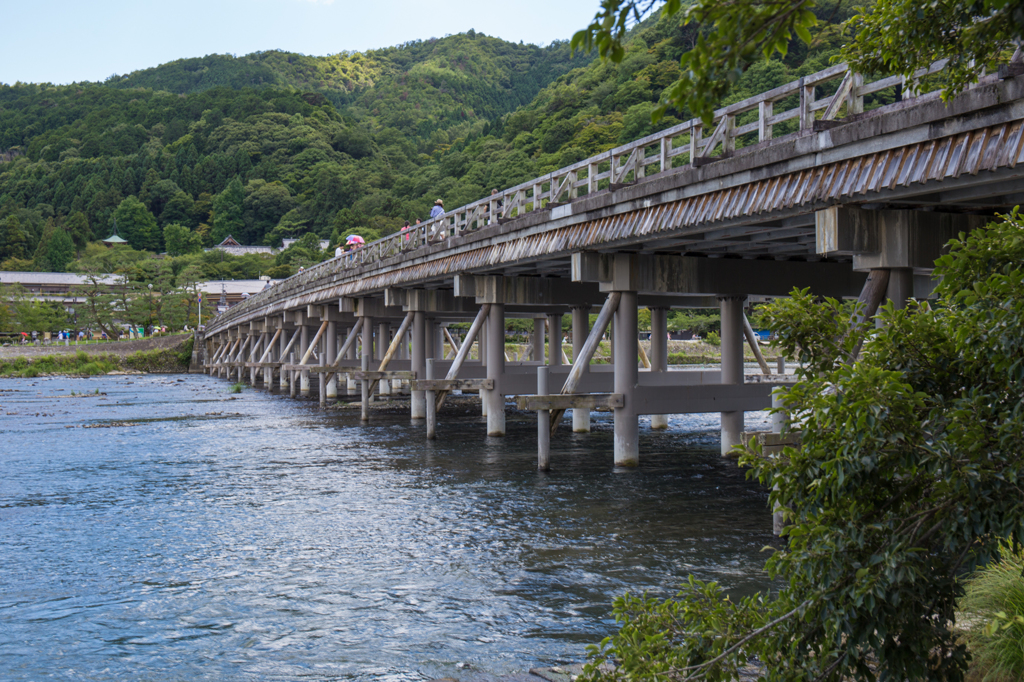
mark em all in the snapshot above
pixel 354 239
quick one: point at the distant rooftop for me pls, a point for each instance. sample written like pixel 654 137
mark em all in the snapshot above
pixel 285 243
pixel 230 245
pixel 51 278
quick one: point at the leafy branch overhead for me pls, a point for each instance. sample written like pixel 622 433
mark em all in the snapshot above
pixel 887 36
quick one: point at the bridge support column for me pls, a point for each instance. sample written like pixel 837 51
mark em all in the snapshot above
pixel 627 429
pixel 401 354
pixel 282 345
pixel 435 349
pixel 268 372
pixel 383 343
pixel 659 355
pixel 304 346
pixel 330 351
pixel 225 356
pixel 350 383
pixel 901 287
pixel 495 350
pixel 580 330
pixel 481 346
pixel 254 354
pixel 554 340
pixel 367 356
pixel 241 357
pixel 732 364
pixel 293 377
pixel 537 354
pixel 418 403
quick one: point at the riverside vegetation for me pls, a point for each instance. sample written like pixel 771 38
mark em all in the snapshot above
pixel 82 363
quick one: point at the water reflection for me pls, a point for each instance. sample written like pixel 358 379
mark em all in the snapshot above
pixel 170 530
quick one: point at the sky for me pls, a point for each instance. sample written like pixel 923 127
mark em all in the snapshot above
pixel 65 41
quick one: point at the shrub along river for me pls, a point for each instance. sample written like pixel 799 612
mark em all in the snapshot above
pixel 168 530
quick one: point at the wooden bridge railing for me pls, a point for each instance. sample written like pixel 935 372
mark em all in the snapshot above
pixel 673 147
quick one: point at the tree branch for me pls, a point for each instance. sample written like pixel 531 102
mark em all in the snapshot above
pixel 761 630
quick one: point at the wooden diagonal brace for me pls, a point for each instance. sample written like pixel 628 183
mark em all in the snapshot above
pixel 349 340
pixel 460 358
pixel 270 346
pixel 394 346
pixel 579 364
pixel 312 344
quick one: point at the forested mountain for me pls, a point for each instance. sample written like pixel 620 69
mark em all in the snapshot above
pixel 276 145
pixel 418 87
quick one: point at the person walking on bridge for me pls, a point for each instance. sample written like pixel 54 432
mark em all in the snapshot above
pixel 438 210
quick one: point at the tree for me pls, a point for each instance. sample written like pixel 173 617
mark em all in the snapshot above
pixel 77 226
pixel 98 308
pixel 31 314
pixel 12 239
pixel 178 209
pixel 137 226
pixel 179 240
pixel 899 36
pixel 908 475
pixel 6 311
pixel 60 250
pixel 227 211
pixel 184 306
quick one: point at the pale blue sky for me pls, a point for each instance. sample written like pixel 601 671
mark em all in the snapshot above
pixel 61 41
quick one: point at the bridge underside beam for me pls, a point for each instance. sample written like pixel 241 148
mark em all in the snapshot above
pixel 886 239
pixel 667 274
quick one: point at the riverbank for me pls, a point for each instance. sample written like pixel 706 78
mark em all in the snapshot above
pixel 160 355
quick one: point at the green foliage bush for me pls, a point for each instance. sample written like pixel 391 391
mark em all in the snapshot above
pixel 65 363
pixel 994 603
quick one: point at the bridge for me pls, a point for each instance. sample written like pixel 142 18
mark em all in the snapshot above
pixel 796 187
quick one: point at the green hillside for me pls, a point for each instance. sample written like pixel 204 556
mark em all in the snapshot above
pixel 418 87
pixel 276 145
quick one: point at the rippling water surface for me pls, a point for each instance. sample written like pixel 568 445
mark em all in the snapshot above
pixel 170 531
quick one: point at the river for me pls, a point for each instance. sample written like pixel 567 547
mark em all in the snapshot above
pixel 168 530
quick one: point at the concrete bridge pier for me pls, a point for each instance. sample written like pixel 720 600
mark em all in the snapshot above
pixel 254 355
pixel 624 358
pixel 350 384
pixel 383 343
pixel 268 372
pixel 403 354
pixel 537 340
pixel 580 330
pixel 304 346
pixel 554 339
pixel 226 355
pixel 330 352
pixel 481 345
pixel 240 359
pixel 418 402
pixel 495 350
pixel 282 350
pixel 901 287
pixel 659 355
pixel 366 358
pixel 732 364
